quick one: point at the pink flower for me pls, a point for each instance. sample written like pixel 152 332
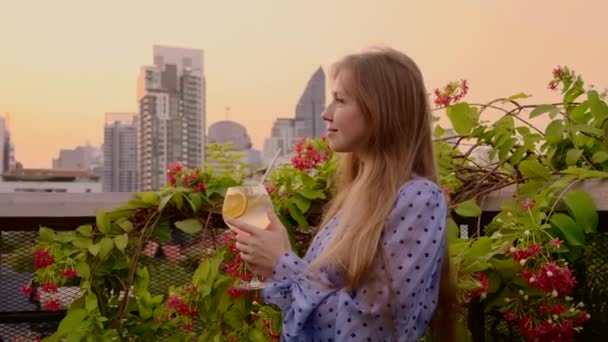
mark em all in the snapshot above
pixel 69 273
pixel 175 167
pixel 26 290
pixel 236 293
pixel 451 93
pixel 509 316
pixel 556 243
pixel 200 187
pixel 552 85
pixel 188 326
pixel 483 279
pixel 446 190
pixel 49 287
pixel 557 72
pixel 171 179
pixel 527 204
pixel 42 258
pixel 52 305
pixel 270 189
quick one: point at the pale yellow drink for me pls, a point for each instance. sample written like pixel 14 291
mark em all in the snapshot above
pixel 247 203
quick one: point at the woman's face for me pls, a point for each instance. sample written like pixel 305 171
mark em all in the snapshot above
pixel 346 126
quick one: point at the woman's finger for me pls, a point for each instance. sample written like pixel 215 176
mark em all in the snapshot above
pixel 244 248
pixel 244 226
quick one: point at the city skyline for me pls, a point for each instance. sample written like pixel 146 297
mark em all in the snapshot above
pixel 58 81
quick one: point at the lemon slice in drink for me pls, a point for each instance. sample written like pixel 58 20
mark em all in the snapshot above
pixel 235 204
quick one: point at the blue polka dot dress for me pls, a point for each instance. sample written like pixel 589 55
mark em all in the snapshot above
pixel 398 296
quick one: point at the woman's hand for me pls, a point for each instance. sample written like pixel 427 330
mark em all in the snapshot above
pixel 262 248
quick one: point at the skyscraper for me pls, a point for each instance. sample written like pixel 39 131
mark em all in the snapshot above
pixel 120 153
pixel 284 135
pixel 7 148
pixel 312 104
pixel 171 125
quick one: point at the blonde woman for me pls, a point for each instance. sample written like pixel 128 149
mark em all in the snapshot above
pixel 378 269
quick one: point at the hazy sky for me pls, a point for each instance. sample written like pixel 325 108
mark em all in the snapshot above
pixel 63 64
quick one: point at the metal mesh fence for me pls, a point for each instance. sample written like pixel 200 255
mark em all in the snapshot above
pixel 173 263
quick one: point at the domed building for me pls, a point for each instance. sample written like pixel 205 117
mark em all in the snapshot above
pixel 232 132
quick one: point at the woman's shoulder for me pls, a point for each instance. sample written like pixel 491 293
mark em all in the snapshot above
pixel 417 185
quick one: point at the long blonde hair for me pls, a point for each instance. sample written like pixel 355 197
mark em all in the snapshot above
pixel 389 90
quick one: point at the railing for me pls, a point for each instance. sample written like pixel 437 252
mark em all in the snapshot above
pixel 21 215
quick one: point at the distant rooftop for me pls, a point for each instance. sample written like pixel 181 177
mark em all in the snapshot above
pixel 47 175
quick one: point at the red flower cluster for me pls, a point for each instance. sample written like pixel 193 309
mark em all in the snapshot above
pixel 49 287
pixel 551 277
pixel 174 169
pixel 524 254
pixel 451 93
pixel 308 156
pixel 483 290
pixel 27 290
pixel 527 204
pixel 52 305
pixel 180 306
pixel 42 258
pixel 550 331
pixel 236 293
pixel 69 273
pixel 274 336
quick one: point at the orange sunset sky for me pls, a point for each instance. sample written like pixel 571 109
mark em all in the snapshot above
pixel 63 64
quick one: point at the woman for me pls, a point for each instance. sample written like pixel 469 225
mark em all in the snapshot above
pixel 373 272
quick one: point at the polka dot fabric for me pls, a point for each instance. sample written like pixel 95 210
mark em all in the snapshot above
pixel 398 308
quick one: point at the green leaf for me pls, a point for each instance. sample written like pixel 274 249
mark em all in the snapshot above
pixel 573 234
pixel 312 194
pixel 468 209
pixel 301 202
pixel 84 271
pixel 150 198
pixel 588 129
pixel 542 109
pixel 554 133
pixel 580 114
pixel 297 215
pixel 507 268
pixel 190 226
pixel 530 188
pixel 584 173
pixel 518 155
pixel 532 169
pixel 480 248
pixel 142 281
pixel 82 242
pixel 163 202
pixel 85 230
pixel 599 109
pixel 163 230
pixel 453 232
pixel 71 321
pixel 101 222
pixel 599 157
pixel 94 249
pixel 106 244
pixel 573 155
pixel 46 235
pixel 256 335
pixel 234 318
pixel 196 201
pixel 126 225
pixel 145 311
pixel 438 132
pixel 121 241
pixel 519 96
pixel 582 208
pixel 463 117
pixel 91 302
